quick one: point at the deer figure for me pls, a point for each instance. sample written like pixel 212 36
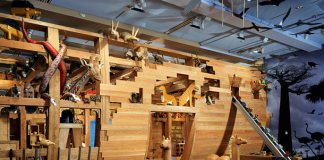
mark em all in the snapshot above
pixel 93 71
pixel 234 150
pixel 166 145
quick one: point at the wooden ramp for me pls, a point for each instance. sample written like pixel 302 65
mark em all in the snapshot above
pixel 128 135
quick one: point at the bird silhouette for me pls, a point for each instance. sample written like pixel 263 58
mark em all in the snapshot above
pixel 313 64
pixel 311 112
pixel 286 16
pixel 321 113
pixel 241 14
pixel 304 140
pixel 316 136
pixel 300 22
pixel 255 27
pixel 272 2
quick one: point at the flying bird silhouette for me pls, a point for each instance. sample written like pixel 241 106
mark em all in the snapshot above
pixel 255 27
pixel 321 113
pixel 311 112
pixel 272 2
pixel 312 64
pixel 280 24
pixel 300 22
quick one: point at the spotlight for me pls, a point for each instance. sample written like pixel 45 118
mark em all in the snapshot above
pixel 138 5
pixel 250 51
pixel 241 36
pixel 259 50
pixel 322 32
pixel 198 22
pixel 306 36
pixel 264 39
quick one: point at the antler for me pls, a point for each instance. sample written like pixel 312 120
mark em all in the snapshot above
pixel 133 31
pixel 136 32
pixel 116 26
pixel 112 25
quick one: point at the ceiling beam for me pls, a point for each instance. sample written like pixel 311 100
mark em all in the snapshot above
pixel 90 21
pixel 279 36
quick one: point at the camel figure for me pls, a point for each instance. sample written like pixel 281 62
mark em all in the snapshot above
pixel 166 145
pixel 316 136
pixel 234 145
pixel 305 140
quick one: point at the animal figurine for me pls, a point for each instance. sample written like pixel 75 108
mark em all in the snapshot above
pixel 260 124
pixel 234 150
pixel 196 61
pixel 15 91
pixel 58 61
pixel 174 60
pixel 9 31
pixel 207 99
pixel 136 97
pixel 187 95
pixel 127 37
pixel 166 98
pixel 157 59
pixel 129 54
pixel 29 91
pixel 111 32
pixel 24 12
pixel 166 145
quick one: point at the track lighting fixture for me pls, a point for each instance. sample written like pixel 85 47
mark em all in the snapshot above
pixel 305 36
pixel 322 32
pixel 198 22
pixel 241 36
pixel 139 6
pixel 259 50
pixel 250 51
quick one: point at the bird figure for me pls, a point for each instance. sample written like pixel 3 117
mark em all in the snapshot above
pixel 311 112
pixel 241 14
pixel 312 64
pixel 272 2
pixel 286 16
pixel 300 22
pixel 321 113
pixel 255 27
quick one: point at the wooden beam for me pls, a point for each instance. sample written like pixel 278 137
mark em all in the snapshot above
pixel 87 127
pixel 78 72
pixel 171 80
pixel 122 74
pixel 13 57
pixel 23 130
pixel 190 137
pixel 159 108
pixel 168 126
pixel 54 91
pixel 7 84
pixel 113 61
pixel 71 125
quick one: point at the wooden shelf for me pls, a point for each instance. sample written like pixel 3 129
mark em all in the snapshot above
pixel 257 87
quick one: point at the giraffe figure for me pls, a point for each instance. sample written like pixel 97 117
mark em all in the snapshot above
pixel 166 145
pixel 166 98
pixel 234 150
pixel 187 95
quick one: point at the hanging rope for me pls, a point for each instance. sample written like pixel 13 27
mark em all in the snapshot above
pixel 243 12
pixel 222 13
pixel 232 9
pixel 257 8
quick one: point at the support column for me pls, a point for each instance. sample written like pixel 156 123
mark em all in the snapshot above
pixel 53 123
pixel 87 127
pixel 23 132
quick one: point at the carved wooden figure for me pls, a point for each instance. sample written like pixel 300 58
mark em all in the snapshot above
pixel 166 145
pixel 9 31
pixel 24 12
pixel 157 59
pixel 187 95
pixel 166 98
pixel 234 145
pixel 15 91
pixel 29 91
pixel 111 32
pixel 129 37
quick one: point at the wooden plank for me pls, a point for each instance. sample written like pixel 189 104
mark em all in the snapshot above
pixel 76 55
pixel 113 61
pixel 190 138
pixel 76 137
pixel 7 84
pixel 132 111
pixel 35 115
pixel 77 73
pixel 70 125
pixel 122 74
pixel 87 127
pixel 64 133
pixel 160 108
pixel 23 130
pixel 80 105
pixel 4 127
pixel 105 88
pixel 217 89
pixel 124 127
pixel 38 67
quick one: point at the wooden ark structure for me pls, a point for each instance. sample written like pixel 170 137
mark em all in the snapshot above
pixel 135 130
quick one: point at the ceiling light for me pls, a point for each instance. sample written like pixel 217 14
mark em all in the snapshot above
pixel 138 5
pixel 250 51
pixel 241 36
pixel 306 36
pixel 264 39
pixel 198 22
pixel 322 32
pixel 259 50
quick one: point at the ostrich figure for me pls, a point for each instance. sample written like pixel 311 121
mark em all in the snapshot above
pixel 305 140
pixel 316 136
pixel 306 153
pixel 318 148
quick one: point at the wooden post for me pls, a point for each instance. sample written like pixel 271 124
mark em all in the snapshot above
pixel 168 126
pixel 23 132
pixel 87 127
pixel 97 132
pixel 190 137
pixel 53 123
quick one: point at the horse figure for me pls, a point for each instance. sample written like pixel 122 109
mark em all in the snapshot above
pixel 234 145
pixel 166 145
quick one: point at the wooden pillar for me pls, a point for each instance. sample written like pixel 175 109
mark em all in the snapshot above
pixel 190 136
pixel 53 123
pixel 168 126
pixel 23 132
pixel 97 132
pixel 87 127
